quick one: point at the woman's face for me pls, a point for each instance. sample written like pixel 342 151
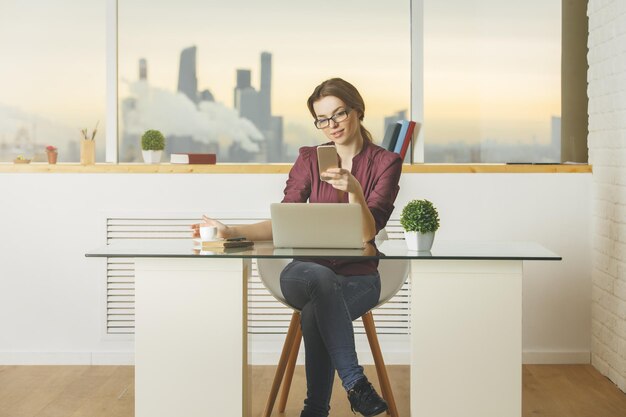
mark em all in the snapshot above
pixel 344 132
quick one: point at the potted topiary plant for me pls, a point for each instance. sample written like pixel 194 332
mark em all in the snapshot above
pixel 152 145
pixel 420 221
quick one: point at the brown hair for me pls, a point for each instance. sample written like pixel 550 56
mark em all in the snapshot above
pixel 347 93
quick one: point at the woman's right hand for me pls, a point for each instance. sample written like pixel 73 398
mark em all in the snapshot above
pixel 223 231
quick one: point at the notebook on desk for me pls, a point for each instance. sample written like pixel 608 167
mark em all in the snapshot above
pixel 317 225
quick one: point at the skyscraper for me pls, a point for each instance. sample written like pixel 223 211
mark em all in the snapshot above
pixel 206 95
pixel 244 77
pixel 143 69
pixel 187 80
pixel 399 115
pixel 243 83
pixel 247 100
pixel 256 106
pixel 275 146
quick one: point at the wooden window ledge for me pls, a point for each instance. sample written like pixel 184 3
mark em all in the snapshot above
pixel 166 168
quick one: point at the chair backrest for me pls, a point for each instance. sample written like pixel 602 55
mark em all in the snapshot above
pixel 393 274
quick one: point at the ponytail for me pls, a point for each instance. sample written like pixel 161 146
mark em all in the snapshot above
pixel 367 136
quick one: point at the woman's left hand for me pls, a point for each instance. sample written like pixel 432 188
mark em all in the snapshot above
pixel 342 179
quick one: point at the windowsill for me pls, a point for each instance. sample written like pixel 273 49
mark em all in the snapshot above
pixel 103 168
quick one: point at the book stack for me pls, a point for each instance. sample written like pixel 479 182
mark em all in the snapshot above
pixel 193 158
pixel 399 136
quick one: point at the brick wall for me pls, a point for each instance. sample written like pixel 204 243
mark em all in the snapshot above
pixel 607 154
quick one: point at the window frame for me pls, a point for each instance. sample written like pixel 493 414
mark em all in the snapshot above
pixel 578 103
pixel 112 147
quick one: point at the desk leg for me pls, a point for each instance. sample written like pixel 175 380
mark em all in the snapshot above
pixel 190 337
pixel 466 338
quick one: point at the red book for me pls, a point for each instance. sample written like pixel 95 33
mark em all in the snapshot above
pixel 407 139
pixel 193 158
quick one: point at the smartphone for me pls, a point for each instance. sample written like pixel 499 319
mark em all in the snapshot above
pixel 326 158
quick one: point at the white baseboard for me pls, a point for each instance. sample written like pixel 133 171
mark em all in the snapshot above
pixel 113 358
pixel 263 357
pixel 45 358
pixel 556 357
pixel 67 358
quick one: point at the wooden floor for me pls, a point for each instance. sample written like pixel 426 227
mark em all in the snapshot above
pixel 107 391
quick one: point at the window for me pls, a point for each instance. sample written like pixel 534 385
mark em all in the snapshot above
pixel 233 77
pixel 52 77
pixel 492 81
pixel 485 75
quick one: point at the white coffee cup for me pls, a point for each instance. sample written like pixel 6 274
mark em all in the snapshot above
pixel 208 233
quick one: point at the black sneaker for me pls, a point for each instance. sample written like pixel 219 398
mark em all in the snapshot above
pixel 364 399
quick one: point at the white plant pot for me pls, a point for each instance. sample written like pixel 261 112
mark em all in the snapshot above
pixel 420 242
pixel 151 157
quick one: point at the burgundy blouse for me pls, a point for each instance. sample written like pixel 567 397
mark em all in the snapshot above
pixel 377 170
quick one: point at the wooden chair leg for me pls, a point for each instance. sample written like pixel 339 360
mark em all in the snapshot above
pixel 282 363
pixel 291 365
pixel 383 378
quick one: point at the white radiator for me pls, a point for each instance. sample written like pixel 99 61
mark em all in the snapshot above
pixel 265 314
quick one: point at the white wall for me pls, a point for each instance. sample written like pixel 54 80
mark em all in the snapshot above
pixel 51 296
pixel 607 154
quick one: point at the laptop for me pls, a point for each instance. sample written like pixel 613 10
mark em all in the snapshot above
pixel 317 225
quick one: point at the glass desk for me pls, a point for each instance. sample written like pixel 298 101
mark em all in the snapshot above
pixel 191 336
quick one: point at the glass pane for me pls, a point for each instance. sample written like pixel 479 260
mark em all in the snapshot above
pixel 492 80
pixel 233 77
pixel 52 77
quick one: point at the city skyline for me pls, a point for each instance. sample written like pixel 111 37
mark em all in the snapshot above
pixel 307 48
pixel 354 42
pixel 194 122
pixel 255 106
pixel 470 106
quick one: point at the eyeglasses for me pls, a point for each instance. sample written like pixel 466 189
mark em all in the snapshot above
pixel 338 117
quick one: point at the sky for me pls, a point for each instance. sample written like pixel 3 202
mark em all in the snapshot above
pixel 53 61
pixel 368 46
pixel 492 67
pixel 52 69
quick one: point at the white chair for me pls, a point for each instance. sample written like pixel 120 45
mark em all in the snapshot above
pixel 393 274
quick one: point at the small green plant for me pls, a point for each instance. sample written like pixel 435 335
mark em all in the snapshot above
pixel 152 140
pixel 419 216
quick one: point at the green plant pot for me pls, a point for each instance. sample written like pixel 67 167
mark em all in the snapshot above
pixel 151 157
pixel 420 242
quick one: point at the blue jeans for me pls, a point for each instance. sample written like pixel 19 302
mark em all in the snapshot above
pixel 328 304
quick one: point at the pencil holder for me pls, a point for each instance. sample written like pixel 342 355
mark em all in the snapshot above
pixel 87 152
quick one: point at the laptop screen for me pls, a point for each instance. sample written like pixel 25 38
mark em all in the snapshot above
pixel 317 225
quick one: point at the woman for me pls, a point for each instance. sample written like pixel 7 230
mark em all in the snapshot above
pixel 332 293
